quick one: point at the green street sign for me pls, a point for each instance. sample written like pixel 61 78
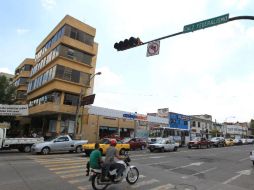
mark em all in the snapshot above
pixel 206 23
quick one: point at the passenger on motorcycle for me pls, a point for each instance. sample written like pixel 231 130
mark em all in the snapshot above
pixel 110 163
pixel 95 157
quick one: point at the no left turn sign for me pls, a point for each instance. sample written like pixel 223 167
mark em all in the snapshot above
pixel 153 48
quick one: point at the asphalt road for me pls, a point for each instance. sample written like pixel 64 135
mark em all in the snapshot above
pixel 226 168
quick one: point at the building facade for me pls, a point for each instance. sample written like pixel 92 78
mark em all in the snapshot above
pixel 201 126
pixel 21 80
pixel 64 63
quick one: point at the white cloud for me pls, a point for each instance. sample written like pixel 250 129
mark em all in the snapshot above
pixel 238 4
pixel 48 4
pixel 107 78
pixel 22 31
pixel 5 70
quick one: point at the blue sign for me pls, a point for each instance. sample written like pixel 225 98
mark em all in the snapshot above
pixel 129 115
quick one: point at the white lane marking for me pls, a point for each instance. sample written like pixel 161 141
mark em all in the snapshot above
pixel 69 171
pixel 154 157
pixel 73 175
pixel 164 187
pixel 62 168
pixel 192 164
pixel 201 172
pixel 60 161
pixel 158 163
pixel 64 164
pixel 244 159
pixel 143 183
pixel 79 180
pixel 243 172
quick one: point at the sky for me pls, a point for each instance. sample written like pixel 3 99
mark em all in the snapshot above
pixel 209 71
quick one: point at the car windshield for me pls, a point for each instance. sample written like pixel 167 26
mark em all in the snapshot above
pixel 197 139
pixel 125 140
pixel 161 141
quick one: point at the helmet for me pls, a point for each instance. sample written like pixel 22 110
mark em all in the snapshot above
pixel 112 142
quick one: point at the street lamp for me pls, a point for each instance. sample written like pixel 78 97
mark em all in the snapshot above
pixel 83 93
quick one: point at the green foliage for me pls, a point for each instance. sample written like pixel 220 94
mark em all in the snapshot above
pixel 7 91
pixel 7 95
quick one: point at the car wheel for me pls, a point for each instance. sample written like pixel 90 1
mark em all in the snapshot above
pixel 79 149
pixel 253 163
pixel 27 148
pixel 175 149
pixel 151 150
pixel 45 150
pixel 162 150
pixel 189 147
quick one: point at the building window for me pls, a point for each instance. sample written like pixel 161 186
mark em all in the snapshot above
pixel 70 99
pixel 193 124
pixel 74 54
pixel 198 124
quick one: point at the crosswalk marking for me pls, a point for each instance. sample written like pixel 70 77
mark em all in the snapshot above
pixel 73 175
pixel 64 164
pixel 63 168
pixel 60 161
pixel 73 170
pixel 69 171
pixel 78 180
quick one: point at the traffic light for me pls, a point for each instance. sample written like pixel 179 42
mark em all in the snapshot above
pixel 127 44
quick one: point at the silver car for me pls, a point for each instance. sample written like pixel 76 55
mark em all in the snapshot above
pixel 163 145
pixel 62 143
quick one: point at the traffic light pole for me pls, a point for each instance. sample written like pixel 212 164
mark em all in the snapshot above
pixel 184 32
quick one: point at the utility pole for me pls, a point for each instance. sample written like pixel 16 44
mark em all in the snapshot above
pixel 83 93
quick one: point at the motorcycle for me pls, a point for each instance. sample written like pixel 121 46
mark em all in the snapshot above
pixel 131 174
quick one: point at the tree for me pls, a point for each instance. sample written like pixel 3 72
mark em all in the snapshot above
pixel 7 91
pixel 252 126
pixel 7 95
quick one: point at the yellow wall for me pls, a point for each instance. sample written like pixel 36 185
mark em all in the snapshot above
pixel 91 124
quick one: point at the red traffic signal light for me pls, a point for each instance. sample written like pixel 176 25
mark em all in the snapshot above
pixel 127 44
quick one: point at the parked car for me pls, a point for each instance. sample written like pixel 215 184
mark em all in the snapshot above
pixel 237 142
pixel 136 143
pixel 163 145
pixel 199 142
pixel 250 141
pixel 61 143
pixel 229 142
pixel 104 144
pixel 218 141
pixel 244 141
pixel 252 156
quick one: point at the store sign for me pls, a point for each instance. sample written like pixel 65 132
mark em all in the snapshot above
pixel 133 116
pixel 13 110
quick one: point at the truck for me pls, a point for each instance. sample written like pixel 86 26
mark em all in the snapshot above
pixel 22 144
pixel 60 143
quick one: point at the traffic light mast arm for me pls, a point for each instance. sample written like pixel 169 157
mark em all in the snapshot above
pixel 126 44
pixel 176 34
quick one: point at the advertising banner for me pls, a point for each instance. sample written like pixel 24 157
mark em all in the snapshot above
pixel 13 110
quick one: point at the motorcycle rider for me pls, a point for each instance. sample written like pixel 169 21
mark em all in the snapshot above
pixel 110 163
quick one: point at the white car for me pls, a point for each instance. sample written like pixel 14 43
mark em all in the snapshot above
pixel 163 145
pixel 252 156
pixel 250 141
pixel 61 143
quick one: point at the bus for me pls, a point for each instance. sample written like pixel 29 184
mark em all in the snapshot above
pixel 179 136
